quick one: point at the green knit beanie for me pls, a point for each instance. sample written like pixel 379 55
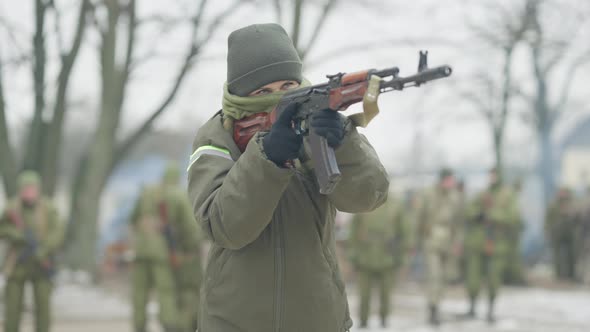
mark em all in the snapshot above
pixel 260 54
pixel 28 178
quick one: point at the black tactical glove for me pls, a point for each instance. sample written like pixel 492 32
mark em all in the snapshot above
pixel 282 143
pixel 328 124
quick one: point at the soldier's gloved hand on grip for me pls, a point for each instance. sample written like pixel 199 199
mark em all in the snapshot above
pixel 328 124
pixel 282 143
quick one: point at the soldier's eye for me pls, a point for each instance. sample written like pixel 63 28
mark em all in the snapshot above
pixel 262 92
pixel 288 85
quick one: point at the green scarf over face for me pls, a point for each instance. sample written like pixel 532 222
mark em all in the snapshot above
pixel 236 107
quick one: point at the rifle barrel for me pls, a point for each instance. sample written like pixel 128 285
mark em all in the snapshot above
pixel 419 78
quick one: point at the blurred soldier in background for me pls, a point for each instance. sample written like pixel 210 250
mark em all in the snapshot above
pixel 490 217
pixel 166 241
pixel 440 217
pixel 514 273
pixel 412 212
pixel 34 232
pixel 377 249
pixel 583 251
pixel 562 233
pixel 456 265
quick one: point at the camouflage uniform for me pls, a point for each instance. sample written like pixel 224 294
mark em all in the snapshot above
pixel 166 257
pixel 378 245
pixel 456 262
pixel 562 231
pixel 34 233
pixel 514 273
pixel 439 224
pixel 583 216
pixel 491 217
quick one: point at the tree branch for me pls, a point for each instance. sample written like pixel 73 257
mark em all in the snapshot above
pixel 52 143
pixel 296 30
pixel 318 27
pixel 57 26
pixel 219 19
pixel 8 168
pixel 33 154
pixel 11 32
pixel 569 78
pixel 193 51
pixel 278 11
pixel 380 44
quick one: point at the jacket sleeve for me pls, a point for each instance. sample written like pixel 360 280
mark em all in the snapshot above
pixel 234 200
pixel 191 233
pixel 55 233
pixel 364 184
pixel 8 230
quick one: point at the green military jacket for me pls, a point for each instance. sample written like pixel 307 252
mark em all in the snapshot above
pixel 491 218
pixel 440 219
pixel 27 251
pixel 163 224
pixel 561 220
pixel 378 239
pixel 272 265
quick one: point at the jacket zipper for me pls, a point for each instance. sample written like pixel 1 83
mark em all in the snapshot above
pixel 279 273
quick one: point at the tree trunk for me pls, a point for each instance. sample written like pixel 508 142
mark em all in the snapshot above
pixel 85 211
pixel 296 31
pixel 498 153
pixel 52 143
pixel 546 169
pixel 8 169
pixel 33 154
pixel 87 194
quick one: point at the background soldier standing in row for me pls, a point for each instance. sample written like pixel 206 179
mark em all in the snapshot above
pixel 491 217
pixel 166 244
pixel 562 232
pixel 456 265
pixel 583 247
pixel 377 249
pixel 439 223
pixel 514 272
pixel 34 232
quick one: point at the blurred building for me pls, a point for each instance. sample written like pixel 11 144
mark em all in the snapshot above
pixel 575 166
pixel 573 153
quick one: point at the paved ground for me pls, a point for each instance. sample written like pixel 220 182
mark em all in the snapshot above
pixel 519 310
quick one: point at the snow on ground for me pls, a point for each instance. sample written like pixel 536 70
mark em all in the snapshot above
pixel 518 310
pixel 80 307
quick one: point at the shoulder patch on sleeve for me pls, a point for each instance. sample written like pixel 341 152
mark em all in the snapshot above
pixel 208 150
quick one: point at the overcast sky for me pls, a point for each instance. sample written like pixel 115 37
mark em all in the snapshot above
pixel 431 122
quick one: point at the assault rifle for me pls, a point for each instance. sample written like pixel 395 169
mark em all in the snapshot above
pixel 29 253
pixel 341 91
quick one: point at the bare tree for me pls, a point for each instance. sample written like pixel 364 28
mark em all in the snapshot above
pixel 295 9
pixel 491 94
pixel 8 167
pixel 554 51
pixel 105 152
pixel 43 142
pixel 32 159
